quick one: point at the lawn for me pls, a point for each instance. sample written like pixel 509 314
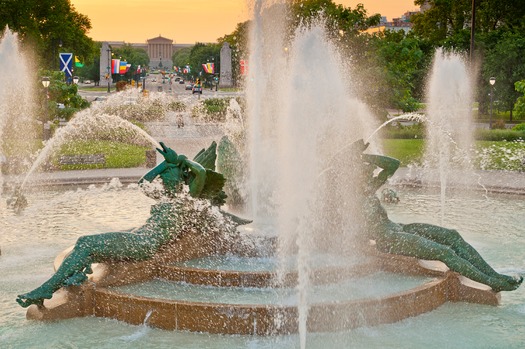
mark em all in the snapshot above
pixel 118 155
pixel 490 155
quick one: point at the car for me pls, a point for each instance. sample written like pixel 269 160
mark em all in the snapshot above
pixel 87 81
pixel 154 80
pixel 181 81
pixel 196 89
pixel 189 86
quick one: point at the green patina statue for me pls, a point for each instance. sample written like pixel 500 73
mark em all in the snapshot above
pixel 191 192
pixel 423 241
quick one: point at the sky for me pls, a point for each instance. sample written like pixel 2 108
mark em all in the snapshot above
pixel 189 21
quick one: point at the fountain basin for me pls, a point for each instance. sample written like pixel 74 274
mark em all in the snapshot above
pixel 112 293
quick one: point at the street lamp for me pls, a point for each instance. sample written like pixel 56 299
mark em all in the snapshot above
pixel 492 81
pixel 47 127
pixel 45 82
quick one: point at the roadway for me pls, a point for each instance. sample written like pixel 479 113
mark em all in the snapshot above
pixel 154 84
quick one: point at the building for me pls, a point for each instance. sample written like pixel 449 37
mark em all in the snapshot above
pixel 160 51
pixel 397 24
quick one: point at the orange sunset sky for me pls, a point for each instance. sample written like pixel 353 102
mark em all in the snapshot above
pixel 189 21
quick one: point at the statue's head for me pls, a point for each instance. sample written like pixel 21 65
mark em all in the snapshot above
pixel 170 155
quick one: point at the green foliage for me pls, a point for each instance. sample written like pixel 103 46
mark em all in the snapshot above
pixel 404 63
pixel 519 127
pixel 215 108
pixel 203 53
pixel 47 23
pixel 520 102
pixel 490 155
pixel 177 106
pixel 506 62
pixel 416 131
pixel 181 57
pixel 118 155
pixel 60 92
pixel 499 135
pixel 502 155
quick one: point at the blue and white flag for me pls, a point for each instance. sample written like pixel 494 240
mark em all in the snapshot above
pixel 66 63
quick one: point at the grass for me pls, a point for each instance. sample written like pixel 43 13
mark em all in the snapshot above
pixel 408 151
pixel 492 155
pixel 118 155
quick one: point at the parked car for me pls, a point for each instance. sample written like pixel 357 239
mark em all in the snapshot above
pixel 189 86
pixel 181 81
pixel 87 81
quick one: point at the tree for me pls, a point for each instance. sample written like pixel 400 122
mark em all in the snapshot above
pixel 132 55
pixel 43 24
pixel 203 53
pixel 181 57
pixel 403 60
pixel 506 62
pixel 520 102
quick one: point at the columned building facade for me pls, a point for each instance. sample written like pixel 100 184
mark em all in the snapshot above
pixel 160 51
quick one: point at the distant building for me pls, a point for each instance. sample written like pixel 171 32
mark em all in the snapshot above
pixel 397 24
pixel 160 51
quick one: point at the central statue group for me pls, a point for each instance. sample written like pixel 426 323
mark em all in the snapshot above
pixel 184 180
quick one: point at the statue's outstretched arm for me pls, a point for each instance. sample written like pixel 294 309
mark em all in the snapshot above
pixel 153 173
pixel 388 164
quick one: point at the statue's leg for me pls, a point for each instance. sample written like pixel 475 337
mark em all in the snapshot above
pixel 75 262
pixel 91 249
pixel 416 246
pixel 452 239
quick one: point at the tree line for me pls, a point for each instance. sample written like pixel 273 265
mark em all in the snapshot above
pixel 394 63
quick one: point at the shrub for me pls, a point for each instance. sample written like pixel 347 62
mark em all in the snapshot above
pixel 519 127
pixel 499 135
pixel 121 85
pixel 499 124
pixel 416 131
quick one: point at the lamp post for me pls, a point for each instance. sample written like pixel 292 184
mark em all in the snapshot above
pixel 47 127
pixel 492 81
pixel 108 75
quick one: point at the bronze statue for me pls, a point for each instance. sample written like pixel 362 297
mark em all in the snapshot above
pixel 420 240
pixel 168 220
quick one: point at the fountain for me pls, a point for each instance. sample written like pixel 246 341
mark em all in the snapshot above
pixel 307 294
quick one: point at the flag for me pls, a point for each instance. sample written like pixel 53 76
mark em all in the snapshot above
pixel 78 63
pixel 209 68
pixel 115 66
pixel 66 63
pixel 122 67
pixel 244 67
pixel 138 69
pixel 127 67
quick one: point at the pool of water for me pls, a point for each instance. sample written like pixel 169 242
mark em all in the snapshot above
pixel 30 242
pixel 257 264
pixel 372 286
